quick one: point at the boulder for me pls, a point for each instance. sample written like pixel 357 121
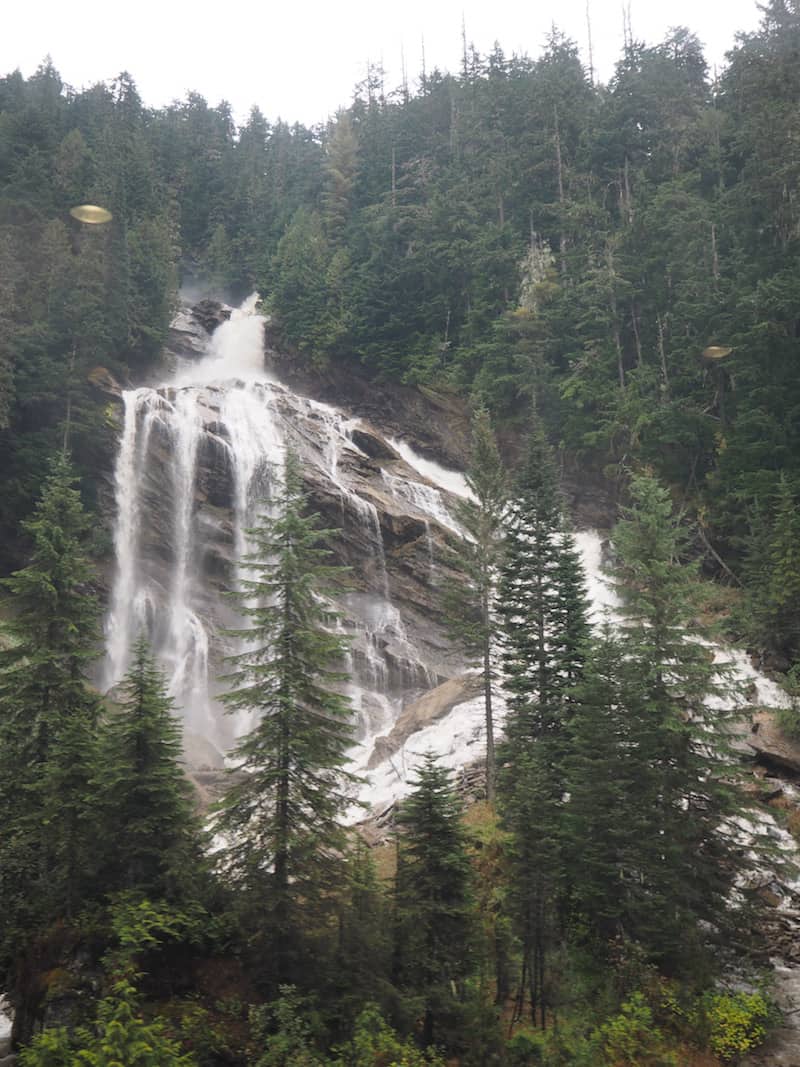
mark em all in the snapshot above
pixel 372 444
pixel 772 747
pixel 210 314
pixel 431 707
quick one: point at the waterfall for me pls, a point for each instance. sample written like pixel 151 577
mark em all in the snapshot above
pixel 199 456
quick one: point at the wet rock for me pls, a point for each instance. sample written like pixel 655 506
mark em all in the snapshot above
pixel 391 540
pixel 771 747
pixel 186 338
pixel 102 378
pixel 214 474
pixel 210 314
pixel 436 421
pixel 372 444
pixel 423 712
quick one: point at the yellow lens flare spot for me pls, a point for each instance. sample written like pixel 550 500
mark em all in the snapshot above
pixel 90 213
pixel 716 352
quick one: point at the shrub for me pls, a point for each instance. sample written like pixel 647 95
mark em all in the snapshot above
pixel 631 1039
pixel 375 1044
pixel 737 1023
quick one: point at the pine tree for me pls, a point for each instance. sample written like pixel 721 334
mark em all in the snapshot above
pixel 683 740
pixel 543 603
pixel 772 605
pixel 47 715
pixel 54 628
pixel 435 923
pixel 471 604
pixel 282 815
pixel 544 609
pixel 361 963
pixel 612 791
pixel 146 822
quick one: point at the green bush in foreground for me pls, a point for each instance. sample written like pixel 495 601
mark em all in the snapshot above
pixel 737 1023
pixel 121 1038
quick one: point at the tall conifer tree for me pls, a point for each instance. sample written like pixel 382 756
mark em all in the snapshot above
pixel 145 803
pixel 682 743
pixel 612 791
pixel 543 604
pixel 433 896
pixel 471 604
pixel 47 713
pixel 282 814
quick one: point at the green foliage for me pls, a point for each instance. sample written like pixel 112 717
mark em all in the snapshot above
pixel 120 1036
pixel 512 232
pixel 630 1039
pixel 607 836
pixel 543 605
pixel 284 1032
pixel 680 770
pixel 282 816
pixel 48 719
pixel 770 614
pixel 435 919
pixel 362 958
pixel 145 818
pixel 737 1023
pixel 789 717
pixel 140 925
pixel 375 1044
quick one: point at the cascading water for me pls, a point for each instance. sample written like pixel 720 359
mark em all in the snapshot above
pixel 198 457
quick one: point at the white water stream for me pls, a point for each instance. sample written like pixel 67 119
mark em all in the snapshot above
pixel 199 455
pixel 223 416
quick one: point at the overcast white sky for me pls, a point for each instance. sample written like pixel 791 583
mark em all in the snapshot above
pixel 299 59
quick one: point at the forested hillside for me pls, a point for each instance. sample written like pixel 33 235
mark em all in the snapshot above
pixel 510 230
pixel 607 279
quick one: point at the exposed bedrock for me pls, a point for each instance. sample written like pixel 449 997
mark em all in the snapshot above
pixel 196 456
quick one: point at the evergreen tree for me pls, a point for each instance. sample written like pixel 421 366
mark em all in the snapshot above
pixel 612 791
pixel 282 814
pixel 47 715
pixel 434 903
pixel 146 822
pixel 543 605
pixel 8 304
pixel 361 963
pixel 683 743
pixel 771 614
pixel 471 604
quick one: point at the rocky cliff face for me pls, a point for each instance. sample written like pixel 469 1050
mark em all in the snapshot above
pixel 199 454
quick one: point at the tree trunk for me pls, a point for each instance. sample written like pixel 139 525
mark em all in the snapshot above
pixel 491 765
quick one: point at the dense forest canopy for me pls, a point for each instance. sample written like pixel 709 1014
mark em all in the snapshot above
pixel 510 230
